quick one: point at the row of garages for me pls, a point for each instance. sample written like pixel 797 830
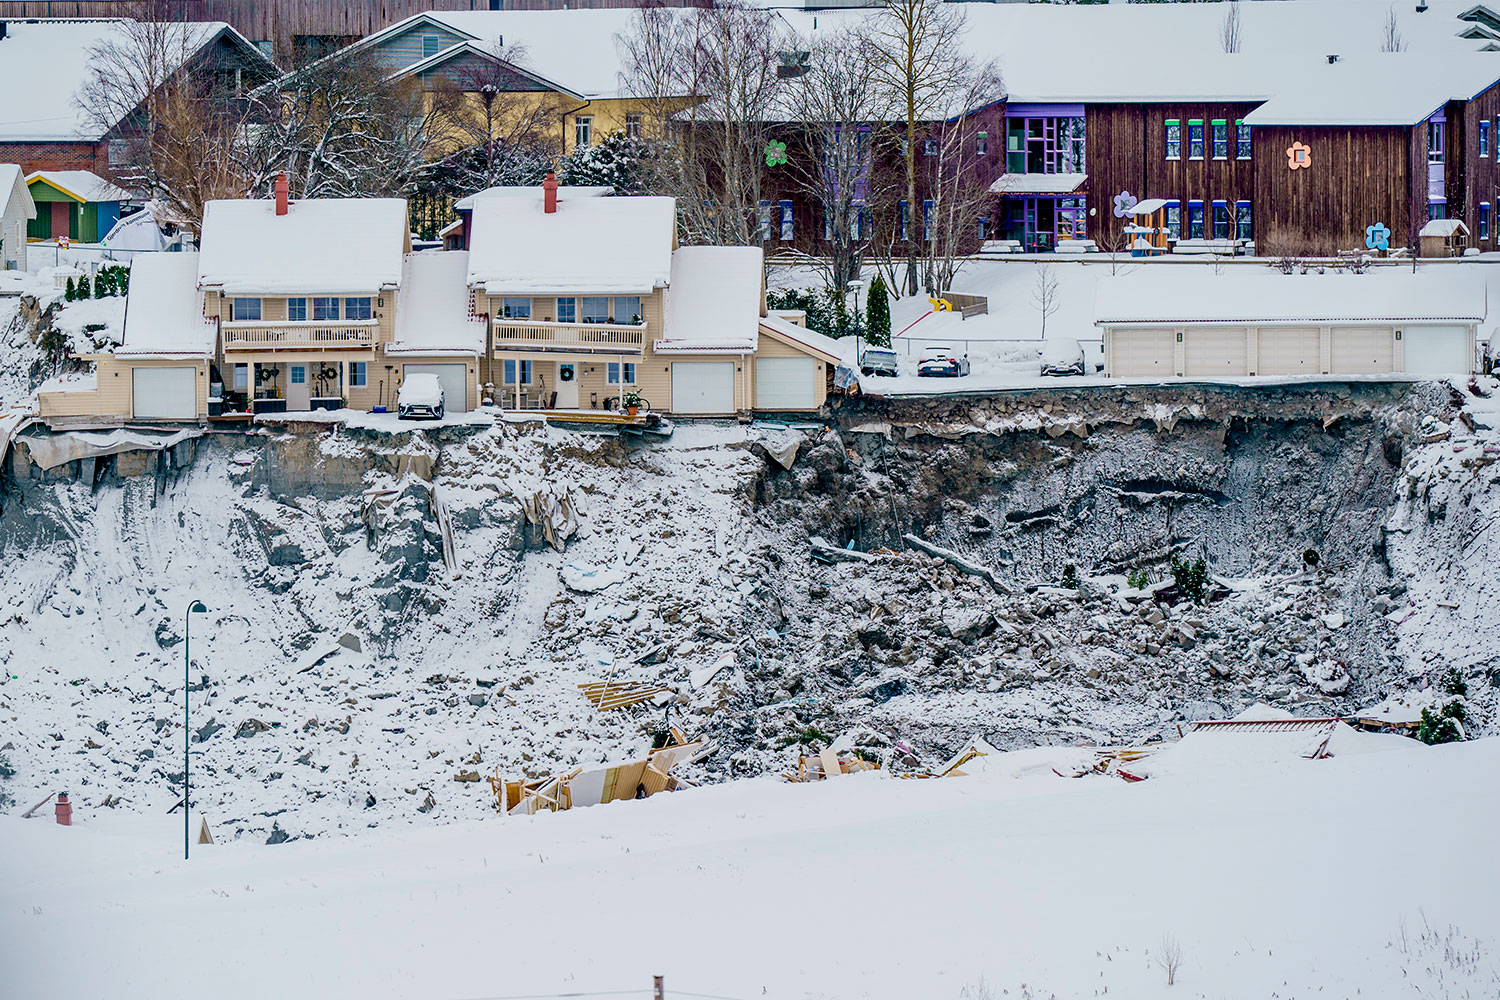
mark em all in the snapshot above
pixel 1229 350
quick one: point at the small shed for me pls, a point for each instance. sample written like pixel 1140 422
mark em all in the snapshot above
pixel 16 212
pixel 80 205
pixel 1443 238
pixel 1146 230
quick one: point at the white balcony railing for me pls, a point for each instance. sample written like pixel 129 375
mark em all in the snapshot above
pixel 246 335
pixel 598 338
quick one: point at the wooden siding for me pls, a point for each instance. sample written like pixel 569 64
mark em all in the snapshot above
pixel 1474 179
pixel 114 395
pixel 770 347
pixel 410 46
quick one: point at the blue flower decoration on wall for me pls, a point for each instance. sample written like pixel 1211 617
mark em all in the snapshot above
pixel 1377 237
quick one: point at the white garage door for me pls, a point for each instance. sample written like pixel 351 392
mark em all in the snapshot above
pixel 1437 350
pixel 455 381
pixel 164 393
pixel 785 384
pixel 703 387
pixel 1214 351
pixel 1288 350
pixel 1142 353
pixel 1363 350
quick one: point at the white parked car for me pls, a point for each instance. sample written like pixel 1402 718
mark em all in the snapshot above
pixel 943 362
pixel 421 395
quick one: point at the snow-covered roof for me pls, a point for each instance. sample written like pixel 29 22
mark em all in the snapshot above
pixel 1444 228
pixel 432 307
pixel 164 309
pixel 320 245
pixel 524 191
pixel 84 185
pixel 603 245
pixel 1391 88
pixel 815 342
pixel 713 300
pixel 44 63
pixel 1038 183
pixel 13 185
pixel 1241 295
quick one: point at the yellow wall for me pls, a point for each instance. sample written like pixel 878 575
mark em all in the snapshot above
pixel 114 395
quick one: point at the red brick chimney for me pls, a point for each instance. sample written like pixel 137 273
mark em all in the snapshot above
pixel 549 193
pixel 281 193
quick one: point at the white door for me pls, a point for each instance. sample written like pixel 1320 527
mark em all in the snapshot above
pixel 1214 351
pixel 1144 352
pixel 1288 350
pixel 567 385
pixel 703 387
pixel 1363 350
pixel 1437 350
pixel 455 382
pixel 785 384
pixel 299 386
pixel 164 393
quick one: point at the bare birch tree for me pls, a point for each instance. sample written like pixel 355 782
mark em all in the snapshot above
pixel 1391 39
pixel 1229 31
pixel 1045 295
pixel 957 183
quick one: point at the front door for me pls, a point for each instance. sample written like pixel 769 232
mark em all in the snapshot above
pixel 299 386
pixel 567 386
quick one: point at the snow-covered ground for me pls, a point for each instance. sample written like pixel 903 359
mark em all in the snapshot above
pixel 1367 874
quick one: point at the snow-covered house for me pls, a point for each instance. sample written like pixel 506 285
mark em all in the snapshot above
pixel 16 210
pixel 436 331
pixel 589 299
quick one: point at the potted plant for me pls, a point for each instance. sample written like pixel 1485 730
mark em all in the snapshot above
pixel 632 402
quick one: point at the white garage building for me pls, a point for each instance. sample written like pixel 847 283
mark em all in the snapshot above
pixel 1169 321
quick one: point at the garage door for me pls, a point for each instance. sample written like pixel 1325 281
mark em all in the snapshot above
pixel 1214 351
pixel 1288 350
pixel 785 384
pixel 455 381
pixel 1142 353
pixel 1437 350
pixel 1363 350
pixel 164 393
pixel 703 387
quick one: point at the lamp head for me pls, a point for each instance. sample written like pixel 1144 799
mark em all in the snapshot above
pixel 197 608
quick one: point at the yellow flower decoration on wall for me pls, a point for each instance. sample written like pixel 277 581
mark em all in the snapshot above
pixel 1298 156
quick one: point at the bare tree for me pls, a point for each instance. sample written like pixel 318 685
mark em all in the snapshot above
pixel 1044 294
pixel 1168 957
pixel 956 181
pixel 1390 37
pixel 1229 32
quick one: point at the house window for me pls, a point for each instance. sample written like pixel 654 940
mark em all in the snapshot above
pixel 1195 220
pixel 296 310
pixel 1241 141
pixel 929 147
pixel 628 309
pixel 982 144
pixel 1221 220
pixel 633 123
pixel 244 309
pixel 927 233
pixel 1242 229
pixel 515 308
pixel 241 376
pixel 359 373
pixel 765 220
pixel 1434 142
pixel 431 45
pixel 614 372
pixel 595 309
pixel 583 131
pixel 1174 219
pixel 786 220
pixel 358 308
pixel 1484 138
pixel 984 228
pixel 1174 139
pixel 1437 210
pixel 1195 139
pixel 299 374
pixel 509 374
pixel 1221 139
pixel 567 310
pixel 1484 220
pixel 905 214
pixel 325 308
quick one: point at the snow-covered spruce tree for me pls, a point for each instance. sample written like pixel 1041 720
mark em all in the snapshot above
pixel 878 314
pixel 83 287
pixel 630 166
pixel 1444 724
pixel 70 292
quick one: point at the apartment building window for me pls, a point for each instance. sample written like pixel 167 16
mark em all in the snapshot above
pixel 1174 219
pixel 1242 228
pixel 583 131
pixel 296 310
pixel 982 144
pixel 786 221
pixel 325 307
pixel 1241 141
pixel 1174 139
pixel 509 373
pixel 614 372
pixel 1195 220
pixel 359 373
pixel 633 123
pixel 515 308
pixel 1437 210
pixel 1484 220
pixel 1221 220
pixel 1434 142
pixel 358 308
pixel 628 309
pixel 927 233
pixel 1484 138
pixel 929 147
pixel 827 224
pixel 984 228
pixel 244 310
pixel 765 220
pixel 567 310
pixel 1195 139
pixel 595 309
pixel 1221 139
pixel 1044 145
pixel 905 218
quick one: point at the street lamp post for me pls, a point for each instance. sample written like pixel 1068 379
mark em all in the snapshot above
pixel 187 733
pixel 854 286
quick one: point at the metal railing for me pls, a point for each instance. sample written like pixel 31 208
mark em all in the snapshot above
pixel 598 337
pixel 246 335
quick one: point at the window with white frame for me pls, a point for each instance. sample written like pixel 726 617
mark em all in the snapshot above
pixel 787 232
pixel 244 310
pixel 1174 219
pixel 567 309
pixel 296 310
pixel 595 309
pixel 765 220
pixel 929 147
pixel 358 307
pixel 512 307
pixel 633 124
pixel 982 144
pixel 1221 139
pixel 628 309
pixel 1195 139
pixel 1241 140
pixel 583 131
pixel 509 372
pixel 325 307
pixel 242 376
pixel 1174 139
pixel 615 370
pixel 359 373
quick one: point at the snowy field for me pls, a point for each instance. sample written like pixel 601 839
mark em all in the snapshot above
pixel 1367 874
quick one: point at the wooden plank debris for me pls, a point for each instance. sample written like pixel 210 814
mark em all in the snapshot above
pixel 609 695
pixel 958 562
